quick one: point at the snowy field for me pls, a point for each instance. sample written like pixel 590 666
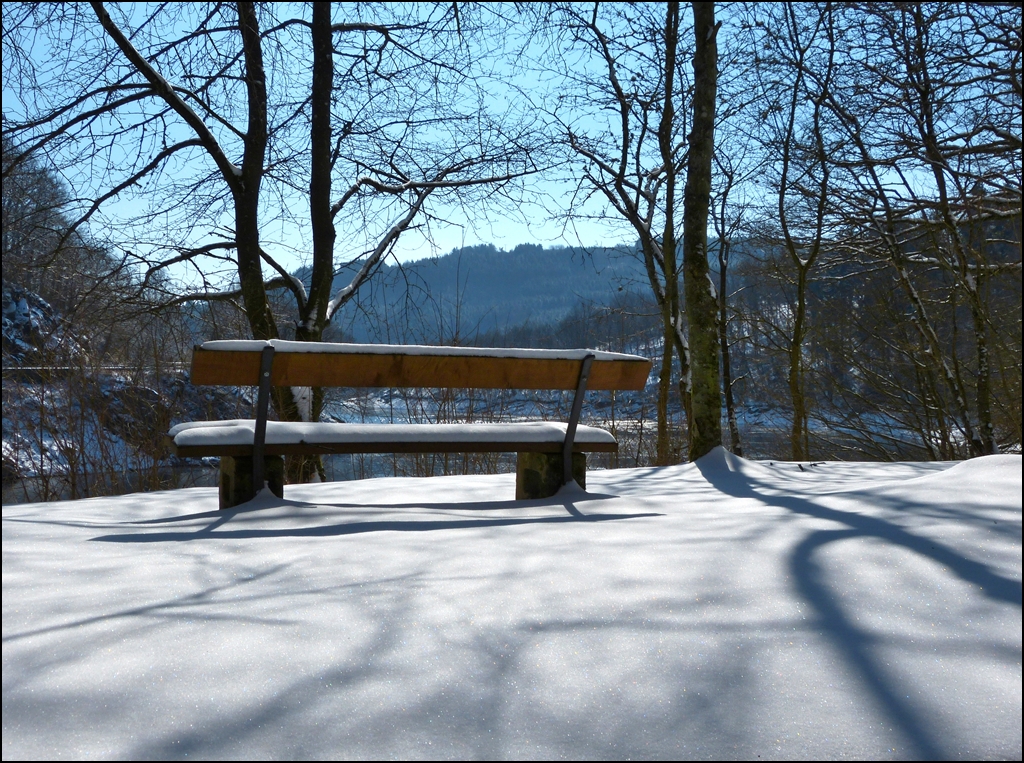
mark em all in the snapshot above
pixel 723 609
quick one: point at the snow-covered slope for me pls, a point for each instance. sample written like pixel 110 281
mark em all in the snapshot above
pixel 722 609
pixel 31 328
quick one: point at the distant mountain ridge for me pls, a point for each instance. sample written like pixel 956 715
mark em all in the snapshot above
pixel 480 289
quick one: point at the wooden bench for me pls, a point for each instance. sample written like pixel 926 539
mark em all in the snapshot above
pixel 550 454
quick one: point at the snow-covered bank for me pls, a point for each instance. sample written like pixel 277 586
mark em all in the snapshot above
pixel 723 609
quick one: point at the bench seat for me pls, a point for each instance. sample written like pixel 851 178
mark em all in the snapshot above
pixel 235 438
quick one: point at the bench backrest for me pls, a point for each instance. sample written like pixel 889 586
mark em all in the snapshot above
pixel 305 364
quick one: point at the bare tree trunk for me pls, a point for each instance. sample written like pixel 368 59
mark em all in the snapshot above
pixel 798 433
pixel 804 255
pixel 247 189
pixel 670 308
pixel 724 232
pixel 313 313
pixel 723 340
pixel 664 441
pixel 978 314
pixel 701 304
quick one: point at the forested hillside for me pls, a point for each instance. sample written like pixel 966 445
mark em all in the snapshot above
pixel 484 290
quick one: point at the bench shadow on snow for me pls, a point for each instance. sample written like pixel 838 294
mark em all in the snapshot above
pixel 217 529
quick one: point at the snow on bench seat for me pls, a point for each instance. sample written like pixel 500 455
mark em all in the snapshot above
pixel 235 437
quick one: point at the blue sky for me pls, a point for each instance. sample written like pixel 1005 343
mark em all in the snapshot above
pixel 537 217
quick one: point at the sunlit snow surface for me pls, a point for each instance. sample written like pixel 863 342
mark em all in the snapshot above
pixel 723 609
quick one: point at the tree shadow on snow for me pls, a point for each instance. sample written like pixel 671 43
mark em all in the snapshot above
pixel 812 583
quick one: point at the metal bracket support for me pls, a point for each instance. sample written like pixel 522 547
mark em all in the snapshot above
pixel 574 418
pixel 262 406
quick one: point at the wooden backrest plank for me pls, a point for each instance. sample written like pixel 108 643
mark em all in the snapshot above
pixel 420 370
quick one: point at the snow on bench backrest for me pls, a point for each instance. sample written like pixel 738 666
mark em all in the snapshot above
pixel 322 364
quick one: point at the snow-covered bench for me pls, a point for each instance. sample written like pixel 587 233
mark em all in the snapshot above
pixel 549 454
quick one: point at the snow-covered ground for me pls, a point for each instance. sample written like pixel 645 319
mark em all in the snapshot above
pixel 723 609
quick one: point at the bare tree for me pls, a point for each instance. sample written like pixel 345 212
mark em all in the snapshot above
pixel 794 68
pixel 192 132
pixel 933 124
pixel 621 112
pixel 727 225
pixel 892 138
